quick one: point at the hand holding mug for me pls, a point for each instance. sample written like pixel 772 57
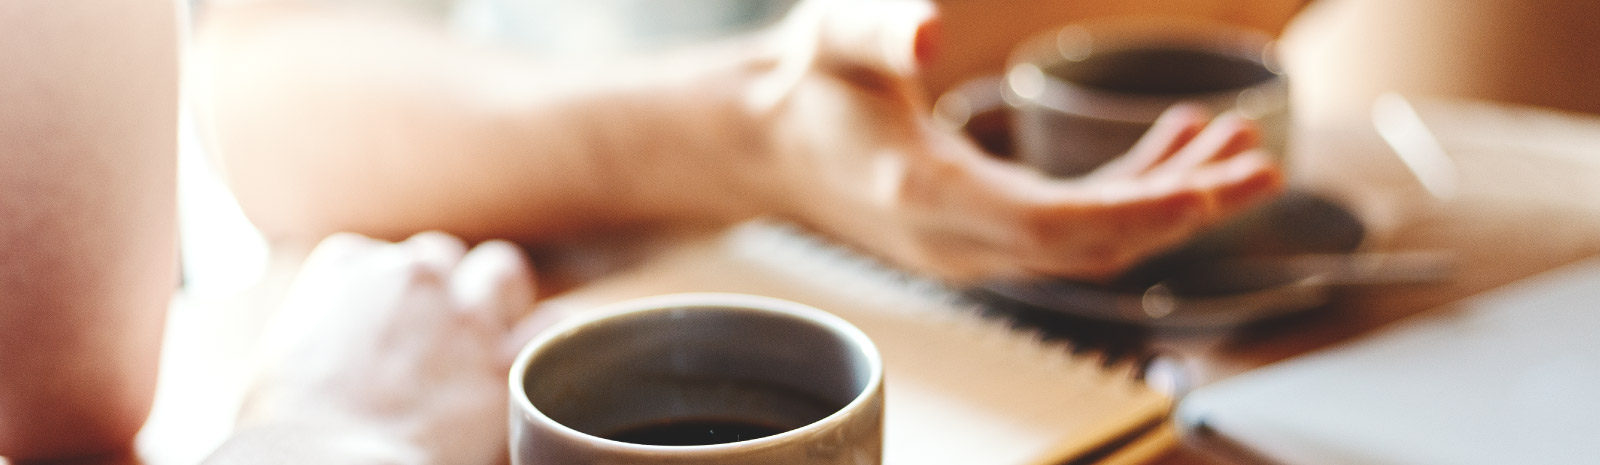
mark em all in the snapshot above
pixel 854 152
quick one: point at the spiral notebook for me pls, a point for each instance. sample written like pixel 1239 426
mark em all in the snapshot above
pixel 961 388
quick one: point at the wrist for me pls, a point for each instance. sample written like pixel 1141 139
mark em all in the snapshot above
pixel 699 151
pixel 753 160
pixel 744 164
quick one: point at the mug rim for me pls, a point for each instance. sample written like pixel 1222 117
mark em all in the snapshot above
pixel 517 378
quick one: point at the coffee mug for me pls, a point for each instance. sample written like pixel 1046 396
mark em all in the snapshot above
pixel 1085 93
pixel 699 379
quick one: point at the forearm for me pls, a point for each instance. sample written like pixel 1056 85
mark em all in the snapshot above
pixel 88 135
pixel 343 120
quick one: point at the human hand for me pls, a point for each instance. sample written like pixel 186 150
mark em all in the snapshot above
pixel 859 156
pixel 399 344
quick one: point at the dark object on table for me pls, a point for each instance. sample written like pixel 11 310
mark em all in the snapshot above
pixel 1276 260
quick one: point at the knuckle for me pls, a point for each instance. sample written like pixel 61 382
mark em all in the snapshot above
pixel 421 273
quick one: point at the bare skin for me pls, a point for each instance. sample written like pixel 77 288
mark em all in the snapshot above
pixel 333 119
pixel 88 112
pixel 88 143
pixel 387 353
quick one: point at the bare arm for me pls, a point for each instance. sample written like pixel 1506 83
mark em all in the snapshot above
pixel 357 119
pixel 332 120
pixel 88 135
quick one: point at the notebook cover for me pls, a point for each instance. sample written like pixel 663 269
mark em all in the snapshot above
pixel 961 388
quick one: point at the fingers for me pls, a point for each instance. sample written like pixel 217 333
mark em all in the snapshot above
pixel 1238 183
pixel 1215 190
pixel 437 250
pixel 338 248
pixel 1183 139
pixel 1227 136
pixel 1093 228
pixel 1171 132
pixel 890 36
pixel 494 281
pixel 1172 209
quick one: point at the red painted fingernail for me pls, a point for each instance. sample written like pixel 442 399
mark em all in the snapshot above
pixel 929 34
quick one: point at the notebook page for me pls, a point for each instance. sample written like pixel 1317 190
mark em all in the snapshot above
pixel 961 389
pixel 1507 376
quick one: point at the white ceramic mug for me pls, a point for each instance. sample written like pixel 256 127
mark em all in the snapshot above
pixel 699 379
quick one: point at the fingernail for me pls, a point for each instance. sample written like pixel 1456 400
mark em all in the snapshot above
pixel 928 36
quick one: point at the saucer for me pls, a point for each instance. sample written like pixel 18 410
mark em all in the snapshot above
pixel 1284 257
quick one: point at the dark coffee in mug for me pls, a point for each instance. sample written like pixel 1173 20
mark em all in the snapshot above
pixel 710 411
pixel 1163 71
pixel 697 431
pixel 699 379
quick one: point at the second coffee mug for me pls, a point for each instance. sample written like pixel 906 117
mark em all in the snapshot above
pixel 1085 93
pixel 699 379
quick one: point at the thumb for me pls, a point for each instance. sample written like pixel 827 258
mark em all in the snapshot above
pixel 895 37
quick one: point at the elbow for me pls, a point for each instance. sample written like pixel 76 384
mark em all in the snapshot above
pixel 78 369
pixel 85 426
